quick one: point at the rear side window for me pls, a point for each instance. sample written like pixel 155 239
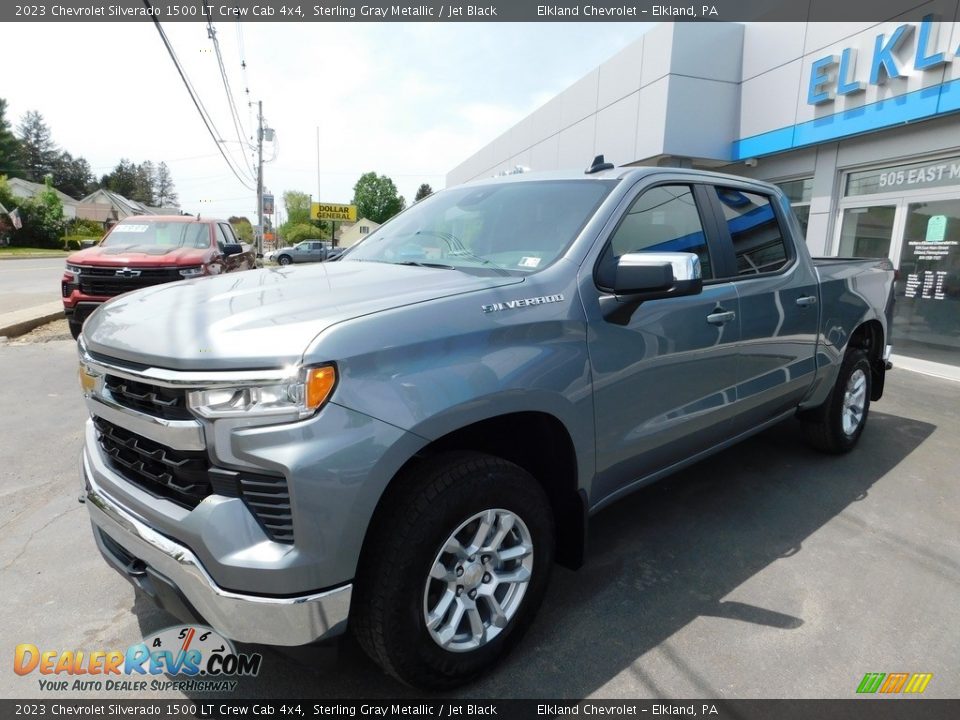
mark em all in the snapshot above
pixel 663 219
pixel 755 231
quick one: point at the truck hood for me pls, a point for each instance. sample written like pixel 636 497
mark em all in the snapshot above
pixel 260 318
pixel 137 256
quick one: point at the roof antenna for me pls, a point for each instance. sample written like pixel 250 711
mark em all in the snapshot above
pixel 598 166
pixel 198 216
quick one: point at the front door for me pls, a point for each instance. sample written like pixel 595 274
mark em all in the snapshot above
pixel 664 377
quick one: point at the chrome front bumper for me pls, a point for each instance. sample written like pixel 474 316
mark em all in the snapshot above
pixel 246 618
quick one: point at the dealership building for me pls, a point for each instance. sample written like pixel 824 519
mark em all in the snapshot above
pixel 858 122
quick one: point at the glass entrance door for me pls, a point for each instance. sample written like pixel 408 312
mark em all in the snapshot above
pixel 927 311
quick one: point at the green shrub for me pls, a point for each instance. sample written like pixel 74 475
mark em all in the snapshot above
pixel 84 228
pixel 76 242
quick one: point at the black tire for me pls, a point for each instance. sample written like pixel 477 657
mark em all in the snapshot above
pixel 75 328
pixel 424 509
pixel 823 427
pixel 284 260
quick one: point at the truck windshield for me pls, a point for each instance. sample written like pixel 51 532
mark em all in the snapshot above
pixel 518 227
pixel 137 233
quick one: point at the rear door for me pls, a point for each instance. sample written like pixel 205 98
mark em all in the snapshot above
pixel 779 296
pixel 664 377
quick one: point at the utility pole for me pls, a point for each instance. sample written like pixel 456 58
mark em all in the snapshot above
pixel 259 237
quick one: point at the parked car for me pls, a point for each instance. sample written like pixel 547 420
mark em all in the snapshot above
pixel 303 252
pixel 148 250
pixel 403 442
pixel 334 254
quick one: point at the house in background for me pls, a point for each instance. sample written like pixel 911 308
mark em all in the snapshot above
pixel 351 233
pixel 25 189
pixel 107 206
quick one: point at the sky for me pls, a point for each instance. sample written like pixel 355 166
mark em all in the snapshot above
pixel 410 101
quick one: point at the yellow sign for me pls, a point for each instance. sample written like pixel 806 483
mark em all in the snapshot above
pixel 333 211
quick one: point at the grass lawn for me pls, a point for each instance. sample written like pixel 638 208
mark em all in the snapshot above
pixel 25 252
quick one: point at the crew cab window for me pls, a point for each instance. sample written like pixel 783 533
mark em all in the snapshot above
pixel 755 231
pixel 663 219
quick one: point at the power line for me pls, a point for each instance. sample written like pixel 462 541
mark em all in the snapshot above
pixel 211 31
pixel 207 121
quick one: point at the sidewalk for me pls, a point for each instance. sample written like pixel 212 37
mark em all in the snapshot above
pixel 22 321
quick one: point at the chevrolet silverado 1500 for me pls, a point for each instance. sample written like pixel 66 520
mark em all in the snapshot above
pixel 405 441
pixel 148 250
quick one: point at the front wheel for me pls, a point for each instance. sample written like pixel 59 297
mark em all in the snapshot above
pixel 836 426
pixel 284 260
pixel 451 577
pixel 75 328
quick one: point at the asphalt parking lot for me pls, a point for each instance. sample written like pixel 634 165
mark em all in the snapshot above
pixel 767 571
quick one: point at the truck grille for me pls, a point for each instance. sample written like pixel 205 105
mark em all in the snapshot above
pixel 177 475
pixel 186 478
pixel 167 403
pixel 106 282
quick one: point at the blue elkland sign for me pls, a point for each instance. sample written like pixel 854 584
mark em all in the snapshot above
pixel 834 75
pixel 910 47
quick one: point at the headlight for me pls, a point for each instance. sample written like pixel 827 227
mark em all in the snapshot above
pixel 73 270
pixel 190 272
pixel 297 398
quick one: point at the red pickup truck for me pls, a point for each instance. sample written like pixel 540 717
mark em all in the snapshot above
pixel 148 250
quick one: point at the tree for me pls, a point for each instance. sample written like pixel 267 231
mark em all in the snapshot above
pixel 38 150
pixel 376 197
pixel 122 180
pixel 164 192
pixel 9 145
pixel 72 175
pixel 298 225
pixel 297 205
pixel 145 178
pixel 243 228
pixel 423 191
pixel 42 218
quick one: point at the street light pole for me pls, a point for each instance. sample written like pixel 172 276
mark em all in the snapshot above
pixel 260 177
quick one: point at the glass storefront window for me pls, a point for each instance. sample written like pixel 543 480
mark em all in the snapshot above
pixel 799 193
pixel 867 231
pixel 927 309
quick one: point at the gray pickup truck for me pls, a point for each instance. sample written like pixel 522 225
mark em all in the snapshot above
pixel 406 440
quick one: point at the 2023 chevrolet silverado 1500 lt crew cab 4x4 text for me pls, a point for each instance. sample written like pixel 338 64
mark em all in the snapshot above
pixel 148 250
pixel 410 437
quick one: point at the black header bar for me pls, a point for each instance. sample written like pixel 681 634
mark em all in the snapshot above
pixel 473 11
pixel 893 708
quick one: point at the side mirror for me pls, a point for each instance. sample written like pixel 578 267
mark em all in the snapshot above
pixel 651 276
pixel 232 248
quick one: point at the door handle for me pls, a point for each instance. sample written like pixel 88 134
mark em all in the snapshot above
pixel 807 300
pixel 721 317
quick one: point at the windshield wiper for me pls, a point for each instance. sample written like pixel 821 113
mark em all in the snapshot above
pixel 439 266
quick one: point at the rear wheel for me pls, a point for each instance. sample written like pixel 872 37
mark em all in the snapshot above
pixel 452 576
pixel 836 426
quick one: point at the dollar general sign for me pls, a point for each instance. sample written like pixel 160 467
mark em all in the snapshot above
pixel 333 211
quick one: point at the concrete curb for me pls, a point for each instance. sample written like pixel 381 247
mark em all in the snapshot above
pixel 19 322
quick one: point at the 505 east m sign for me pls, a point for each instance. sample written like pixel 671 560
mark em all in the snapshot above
pixel 909 44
